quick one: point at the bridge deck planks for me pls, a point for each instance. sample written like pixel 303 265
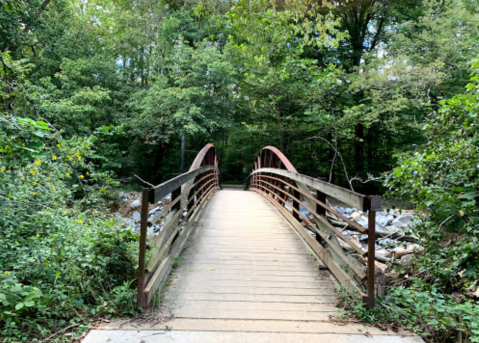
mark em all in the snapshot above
pixel 244 261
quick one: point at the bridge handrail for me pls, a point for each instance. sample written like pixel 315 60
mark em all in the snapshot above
pixel 275 178
pixel 189 192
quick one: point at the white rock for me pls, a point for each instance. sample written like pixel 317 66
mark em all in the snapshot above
pixel 155 210
pixel 123 196
pixel 402 220
pixel 136 216
pixel 356 214
pixel 383 220
pixel 135 204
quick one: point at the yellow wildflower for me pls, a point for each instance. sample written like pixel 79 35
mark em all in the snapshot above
pixel 9 195
pixel 23 178
pixel 16 242
pixel 87 173
pixel 54 157
pixel 58 145
pixel 65 211
pixel 38 162
pixel 81 176
pixel 74 230
pixel 3 169
pixel 5 272
pixel 53 187
pixel 79 157
pixel 70 158
pixel 68 174
pixel 77 154
pixel 38 235
pixel 79 221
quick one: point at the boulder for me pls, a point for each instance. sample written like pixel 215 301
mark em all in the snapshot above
pixel 136 217
pixel 124 196
pixel 403 220
pixel 362 221
pixel 155 211
pixel 383 219
pixel 135 204
pixel 356 214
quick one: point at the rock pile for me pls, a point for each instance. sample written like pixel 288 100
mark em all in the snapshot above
pixel 131 215
pixel 394 240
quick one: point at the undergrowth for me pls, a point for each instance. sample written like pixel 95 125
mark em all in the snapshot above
pixel 437 317
pixel 63 261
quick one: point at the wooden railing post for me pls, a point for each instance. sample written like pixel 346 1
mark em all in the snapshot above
pixel 176 193
pixel 321 197
pixel 141 301
pixel 374 202
pixel 296 205
pixel 320 209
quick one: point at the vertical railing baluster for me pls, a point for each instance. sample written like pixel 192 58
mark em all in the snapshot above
pixel 321 197
pixel 296 205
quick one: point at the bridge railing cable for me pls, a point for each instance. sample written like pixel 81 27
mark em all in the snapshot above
pixel 303 202
pixel 189 193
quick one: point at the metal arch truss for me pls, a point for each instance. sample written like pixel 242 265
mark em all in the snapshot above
pixel 189 192
pixel 295 194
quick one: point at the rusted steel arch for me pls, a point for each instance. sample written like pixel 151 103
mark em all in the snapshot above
pixel 206 157
pixel 269 157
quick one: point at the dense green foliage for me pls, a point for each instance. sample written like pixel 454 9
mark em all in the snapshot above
pixel 59 256
pixel 442 180
pixel 100 89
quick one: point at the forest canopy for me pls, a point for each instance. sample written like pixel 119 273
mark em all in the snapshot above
pixel 315 79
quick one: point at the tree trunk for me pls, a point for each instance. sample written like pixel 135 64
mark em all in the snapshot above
pixel 359 148
pixel 183 152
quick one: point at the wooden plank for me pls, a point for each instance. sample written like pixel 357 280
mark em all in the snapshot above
pixel 234 313
pixel 351 198
pixel 344 279
pixel 165 188
pixel 165 266
pixel 325 222
pixel 321 206
pixel 226 297
pixel 240 265
pixel 157 241
pixel 336 248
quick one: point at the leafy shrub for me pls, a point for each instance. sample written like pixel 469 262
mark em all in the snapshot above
pixel 426 310
pixel 61 259
pixel 442 180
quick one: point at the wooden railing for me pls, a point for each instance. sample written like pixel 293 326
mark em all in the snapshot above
pixel 277 180
pixel 189 193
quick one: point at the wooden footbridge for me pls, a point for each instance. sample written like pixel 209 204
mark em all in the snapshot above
pixel 265 243
pixel 254 265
